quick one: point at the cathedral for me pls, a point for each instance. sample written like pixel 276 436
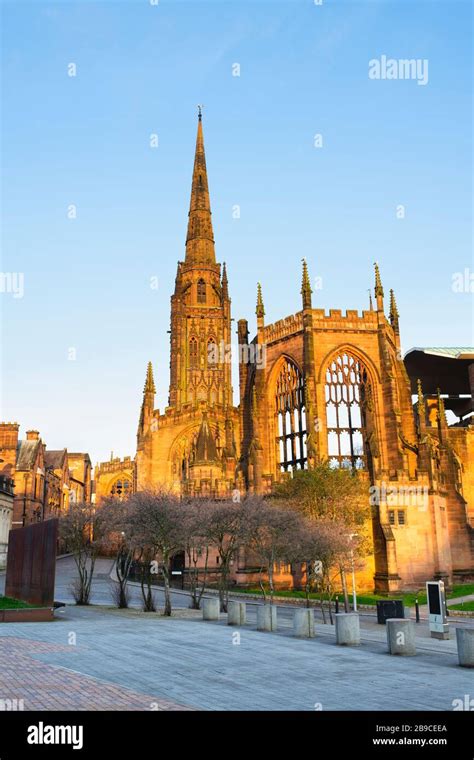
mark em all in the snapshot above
pixel 312 386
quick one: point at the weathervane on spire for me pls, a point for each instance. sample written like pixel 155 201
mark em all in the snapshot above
pixel 200 107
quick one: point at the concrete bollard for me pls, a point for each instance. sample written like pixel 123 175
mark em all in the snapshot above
pixel 465 644
pixel 266 617
pixel 236 613
pixel 347 629
pixel 210 609
pixel 303 624
pixel 401 636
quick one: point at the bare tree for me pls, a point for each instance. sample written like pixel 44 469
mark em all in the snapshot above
pixel 145 557
pixel 83 530
pixel 333 495
pixel 225 530
pixel 159 533
pixel 319 546
pixel 120 595
pixel 195 515
pixel 269 532
pixel 120 537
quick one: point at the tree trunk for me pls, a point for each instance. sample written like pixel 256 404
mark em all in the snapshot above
pixel 330 604
pixel 148 605
pixel 270 581
pixel 204 580
pixel 262 585
pixel 344 589
pixel 323 612
pixel 123 563
pixel 167 610
pixel 223 587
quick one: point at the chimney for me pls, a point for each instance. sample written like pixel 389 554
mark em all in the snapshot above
pixel 32 435
pixel 8 444
pixel 8 435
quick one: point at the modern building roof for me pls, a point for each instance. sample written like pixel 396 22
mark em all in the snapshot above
pixel 449 353
pixel 448 368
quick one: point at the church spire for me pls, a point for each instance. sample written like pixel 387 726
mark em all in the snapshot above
pixel 200 237
pixel 306 287
pixel 225 282
pixel 441 415
pixel 378 288
pixel 393 311
pixel 149 382
pixel 206 450
pixel 421 406
pixel 146 411
pixel 260 310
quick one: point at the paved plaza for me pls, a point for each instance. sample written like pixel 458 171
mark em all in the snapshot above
pixel 99 658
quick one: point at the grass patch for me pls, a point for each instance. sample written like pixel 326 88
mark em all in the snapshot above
pixel 463 590
pixel 408 598
pixel 365 598
pixel 466 606
pixel 7 603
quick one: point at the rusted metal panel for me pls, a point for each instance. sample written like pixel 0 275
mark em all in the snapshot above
pixel 31 563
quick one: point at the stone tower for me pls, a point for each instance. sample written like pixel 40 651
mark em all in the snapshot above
pixel 191 447
pixel 200 369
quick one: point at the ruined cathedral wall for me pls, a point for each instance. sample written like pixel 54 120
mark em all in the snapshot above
pixel 418 520
pixel 285 341
pixel 462 442
pixel 335 334
pixel 459 490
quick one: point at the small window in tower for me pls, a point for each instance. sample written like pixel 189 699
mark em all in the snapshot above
pixel 401 517
pixel 201 291
pixel 391 516
pixel 212 357
pixel 193 352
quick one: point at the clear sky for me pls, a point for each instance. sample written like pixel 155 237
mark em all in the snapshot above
pixel 141 69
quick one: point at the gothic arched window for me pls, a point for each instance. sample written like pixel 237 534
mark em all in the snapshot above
pixel 201 291
pixel 346 391
pixel 212 358
pixel 291 418
pixel 193 352
pixel 121 488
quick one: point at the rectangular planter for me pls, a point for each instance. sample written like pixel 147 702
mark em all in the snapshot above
pixel 27 615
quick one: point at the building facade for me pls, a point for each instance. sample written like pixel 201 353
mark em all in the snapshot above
pixel 6 516
pixel 313 386
pixel 45 481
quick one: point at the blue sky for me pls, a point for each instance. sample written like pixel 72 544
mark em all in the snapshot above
pixel 141 70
